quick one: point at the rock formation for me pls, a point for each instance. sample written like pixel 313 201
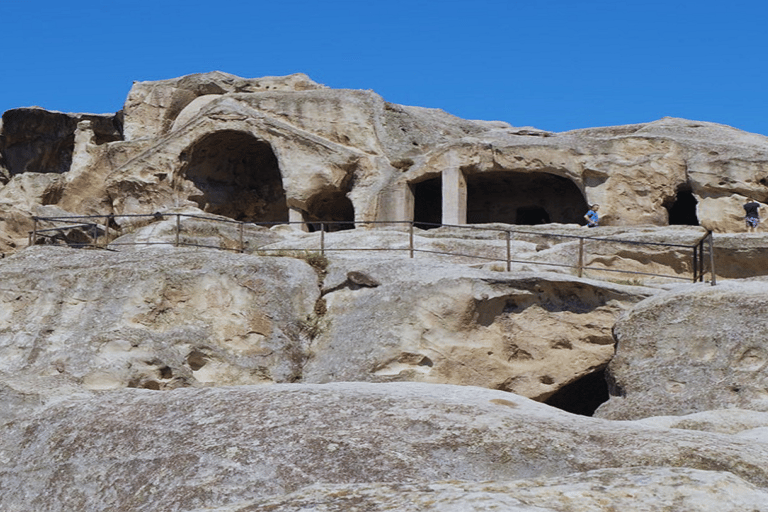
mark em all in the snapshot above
pixel 239 448
pixel 674 357
pixel 333 302
pixel 292 149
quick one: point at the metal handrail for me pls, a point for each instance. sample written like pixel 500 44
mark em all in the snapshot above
pixel 698 267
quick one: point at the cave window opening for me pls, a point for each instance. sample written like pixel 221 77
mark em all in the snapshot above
pixel 527 198
pixel 237 176
pixel 682 212
pixel 582 396
pixel 330 211
pixel 428 203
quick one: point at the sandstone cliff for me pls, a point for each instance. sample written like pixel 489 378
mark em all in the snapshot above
pixel 496 355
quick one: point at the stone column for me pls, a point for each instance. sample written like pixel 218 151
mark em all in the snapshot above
pixel 454 196
pixel 295 215
pixel 83 151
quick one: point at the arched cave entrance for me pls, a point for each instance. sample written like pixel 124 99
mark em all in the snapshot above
pixel 583 396
pixel 523 198
pixel 682 211
pixel 332 206
pixel 238 177
pixel 428 203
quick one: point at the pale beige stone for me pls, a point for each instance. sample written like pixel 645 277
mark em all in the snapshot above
pixel 693 349
pixel 255 446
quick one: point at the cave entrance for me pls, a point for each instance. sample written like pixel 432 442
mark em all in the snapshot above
pixel 523 198
pixel 531 215
pixel 333 207
pixel 238 176
pixel 682 212
pixel 583 396
pixel 428 203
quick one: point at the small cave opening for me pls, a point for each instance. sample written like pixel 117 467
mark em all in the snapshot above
pixel 428 203
pixel 582 396
pixel 330 210
pixel 238 176
pixel 524 198
pixel 682 210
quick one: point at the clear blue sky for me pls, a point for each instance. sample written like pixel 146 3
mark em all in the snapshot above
pixel 553 64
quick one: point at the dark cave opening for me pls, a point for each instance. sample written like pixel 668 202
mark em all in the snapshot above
pixel 428 203
pixel 525 198
pixel 331 211
pixel 682 212
pixel 238 177
pixel 582 396
pixel 531 215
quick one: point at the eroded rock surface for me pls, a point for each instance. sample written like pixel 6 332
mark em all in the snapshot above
pixel 188 449
pixel 156 319
pixel 632 489
pixel 530 334
pixel 694 349
pixel 280 148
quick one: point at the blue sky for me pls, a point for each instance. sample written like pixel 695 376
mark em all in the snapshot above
pixel 556 65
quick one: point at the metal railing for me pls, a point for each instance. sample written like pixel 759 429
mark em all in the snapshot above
pixel 97 232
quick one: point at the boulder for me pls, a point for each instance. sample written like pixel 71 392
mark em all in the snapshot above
pixel 154 319
pixel 531 334
pixel 693 349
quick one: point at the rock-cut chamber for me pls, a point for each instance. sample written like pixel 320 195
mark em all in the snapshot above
pixel 237 176
pixel 523 198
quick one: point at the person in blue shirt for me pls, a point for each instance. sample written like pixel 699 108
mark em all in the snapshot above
pixel 592 218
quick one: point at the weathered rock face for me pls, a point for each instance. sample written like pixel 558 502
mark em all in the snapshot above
pixel 155 319
pixel 207 448
pixel 599 490
pixel 152 107
pixel 531 313
pixel 36 140
pixel 400 320
pixel 294 149
pixel 188 318
pixel 694 349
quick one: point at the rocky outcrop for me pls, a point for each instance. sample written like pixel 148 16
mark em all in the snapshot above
pixel 531 334
pixel 696 348
pixel 292 149
pixel 246 447
pixel 153 107
pixel 37 140
pixel 239 361
pixel 195 317
pixel 158 319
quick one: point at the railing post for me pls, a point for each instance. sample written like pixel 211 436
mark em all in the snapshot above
pixel 509 253
pixel 712 258
pixel 410 240
pixel 581 256
pixel 106 231
pixel 696 262
pixel 178 228
pixel 242 245
pixel 322 239
pixel 34 230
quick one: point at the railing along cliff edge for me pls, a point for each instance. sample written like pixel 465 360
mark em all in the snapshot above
pixel 97 227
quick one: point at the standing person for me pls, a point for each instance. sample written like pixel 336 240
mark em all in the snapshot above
pixel 592 218
pixel 753 217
